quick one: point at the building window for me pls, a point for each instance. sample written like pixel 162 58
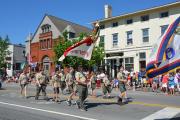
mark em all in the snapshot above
pixel 115 39
pixel 45 28
pixel 142 56
pixel 9 66
pixel 48 43
pixel 8 58
pixel 145 18
pixel 164 14
pixel 129 38
pixel 129 21
pixel 40 42
pixel 71 35
pixel 114 24
pixel 163 29
pixel 102 26
pixel 45 44
pixel 101 42
pixel 145 33
pixel 129 63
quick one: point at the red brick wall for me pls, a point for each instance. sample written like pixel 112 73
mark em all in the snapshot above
pixel 38 54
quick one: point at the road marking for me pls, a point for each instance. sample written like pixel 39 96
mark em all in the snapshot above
pixel 166 113
pixel 48 111
pixel 153 105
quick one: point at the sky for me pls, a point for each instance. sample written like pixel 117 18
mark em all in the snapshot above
pixel 18 18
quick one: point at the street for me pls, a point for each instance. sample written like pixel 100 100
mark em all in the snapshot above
pixel 144 105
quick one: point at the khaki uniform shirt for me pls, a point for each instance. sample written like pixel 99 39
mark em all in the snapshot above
pixel 80 76
pixel 62 76
pixel 40 78
pixel 69 79
pixel 23 78
pixel 55 81
pixel 120 76
pixel 106 81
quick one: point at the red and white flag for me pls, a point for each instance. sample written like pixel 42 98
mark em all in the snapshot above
pixel 81 49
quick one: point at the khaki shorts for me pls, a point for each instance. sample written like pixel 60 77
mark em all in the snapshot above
pixel 122 88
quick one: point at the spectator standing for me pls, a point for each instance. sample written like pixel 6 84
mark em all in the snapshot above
pixel 171 83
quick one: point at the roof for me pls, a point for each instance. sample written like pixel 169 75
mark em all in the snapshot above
pixel 17 45
pixel 62 24
pixel 162 7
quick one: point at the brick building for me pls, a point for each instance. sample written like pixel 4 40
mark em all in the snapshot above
pixel 47 35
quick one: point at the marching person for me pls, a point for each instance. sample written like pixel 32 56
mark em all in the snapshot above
pixel 93 80
pixel 70 84
pixel 56 84
pixel 122 81
pixel 62 82
pixel 41 83
pixel 82 88
pixel 23 81
pixel 75 91
pixel 106 87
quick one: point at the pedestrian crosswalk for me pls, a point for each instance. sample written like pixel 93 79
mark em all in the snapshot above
pixel 164 114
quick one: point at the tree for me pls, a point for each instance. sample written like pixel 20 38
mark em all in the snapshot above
pixel 64 43
pixel 3 50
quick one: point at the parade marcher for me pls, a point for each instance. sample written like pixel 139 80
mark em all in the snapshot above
pixel 62 82
pixel 82 88
pixel 106 87
pixel 41 84
pixel 23 81
pixel 122 81
pixel 56 84
pixel 72 72
pixel 93 80
pixel 70 84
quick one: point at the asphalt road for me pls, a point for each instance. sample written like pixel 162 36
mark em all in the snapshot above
pixel 144 105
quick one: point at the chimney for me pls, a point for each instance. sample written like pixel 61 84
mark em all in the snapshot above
pixel 108 11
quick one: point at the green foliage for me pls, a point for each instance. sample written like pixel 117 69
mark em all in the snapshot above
pixel 3 50
pixel 64 43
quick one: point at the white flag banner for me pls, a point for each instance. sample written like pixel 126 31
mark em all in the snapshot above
pixel 81 49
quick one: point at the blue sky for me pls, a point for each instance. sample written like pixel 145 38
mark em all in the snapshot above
pixel 20 17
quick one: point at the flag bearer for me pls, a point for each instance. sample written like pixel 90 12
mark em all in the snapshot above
pixel 82 88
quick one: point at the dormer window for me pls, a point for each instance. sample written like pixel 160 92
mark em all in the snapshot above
pixel 114 24
pixel 45 28
pixel 71 35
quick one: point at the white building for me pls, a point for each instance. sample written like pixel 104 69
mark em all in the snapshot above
pixel 16 59
pixel 128 38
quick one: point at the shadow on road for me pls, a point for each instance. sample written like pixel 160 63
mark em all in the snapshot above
pixel 92 105
pixel 175 118
pixel 3 89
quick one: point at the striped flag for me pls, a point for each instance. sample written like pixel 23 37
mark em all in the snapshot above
pixel 165 55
